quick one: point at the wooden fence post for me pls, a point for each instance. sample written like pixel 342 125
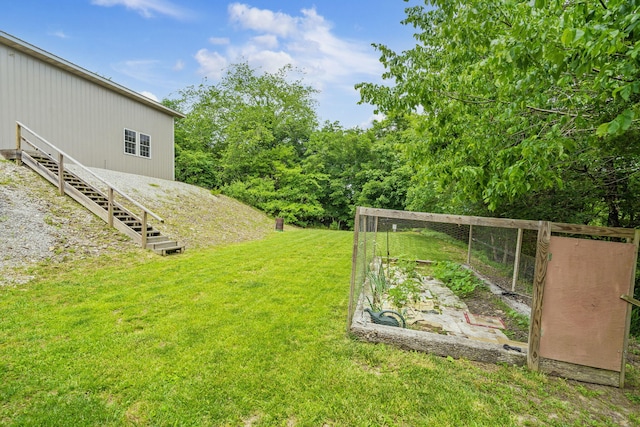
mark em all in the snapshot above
pixel 636 242
pixel 535 327
pixel 354 269
pixel 516 263
pixel 469 246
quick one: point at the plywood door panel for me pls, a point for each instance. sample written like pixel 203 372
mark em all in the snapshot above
pixel 583 317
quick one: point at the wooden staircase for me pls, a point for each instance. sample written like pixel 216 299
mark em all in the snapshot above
pixel 100 203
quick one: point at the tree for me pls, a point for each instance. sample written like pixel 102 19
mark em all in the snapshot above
pixel 246 136
pixel 512 99
pixel 337 156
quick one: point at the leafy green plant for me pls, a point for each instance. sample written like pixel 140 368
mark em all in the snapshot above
pixel 404 293
pixel 520 319
pixel 460 280
pixel 408 267
pixel 378 284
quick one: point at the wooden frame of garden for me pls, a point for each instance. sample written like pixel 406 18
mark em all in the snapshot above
pixel 450 346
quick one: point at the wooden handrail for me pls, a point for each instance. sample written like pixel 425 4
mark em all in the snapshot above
pixel 80 165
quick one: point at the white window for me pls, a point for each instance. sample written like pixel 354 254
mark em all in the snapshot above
pixel 145 145
pixel 130 142
pixel 137 144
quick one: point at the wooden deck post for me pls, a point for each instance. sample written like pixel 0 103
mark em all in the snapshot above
pixel 535 327
pixel 19 144
pixel 61 173
pixel 144 229
pixel 516 263
pixel 110 194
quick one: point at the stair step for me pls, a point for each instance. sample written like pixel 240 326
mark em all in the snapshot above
pixel 162 244
pixel 170 250
pixel 128 220
pixel 155 240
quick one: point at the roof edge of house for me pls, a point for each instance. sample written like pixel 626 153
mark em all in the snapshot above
pixel 22 46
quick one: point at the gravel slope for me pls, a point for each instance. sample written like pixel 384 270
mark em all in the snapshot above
pixel 38 225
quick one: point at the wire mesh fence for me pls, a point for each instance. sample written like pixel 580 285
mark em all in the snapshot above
pixel 502 255
pixel 581 270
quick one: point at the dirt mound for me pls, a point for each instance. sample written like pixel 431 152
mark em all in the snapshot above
pixel 39 225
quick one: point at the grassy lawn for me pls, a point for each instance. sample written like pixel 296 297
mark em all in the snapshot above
pixel 248 334
pixel 424 245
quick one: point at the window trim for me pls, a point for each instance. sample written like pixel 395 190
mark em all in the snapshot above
pixel 140 145
pixel 128 142
pixel 136 144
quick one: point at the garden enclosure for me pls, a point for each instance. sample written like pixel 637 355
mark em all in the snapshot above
pixel 576 280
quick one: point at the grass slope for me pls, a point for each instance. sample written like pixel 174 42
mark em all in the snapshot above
pixel 193 216
pixel 247 334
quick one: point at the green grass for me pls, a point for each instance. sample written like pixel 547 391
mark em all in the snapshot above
pixel 248 334
pixel 425 245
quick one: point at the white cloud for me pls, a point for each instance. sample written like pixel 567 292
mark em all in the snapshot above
pixel 212 64
pixel 61 34
pixel 268 60
pixel 219 40
pixel 179 65
pixel 147 8
pixel 373 118
pixel 149 95
pixel 306 41
pixel 268 41
pixel 252 18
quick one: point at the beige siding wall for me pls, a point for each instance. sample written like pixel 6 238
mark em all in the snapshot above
pixel 83 119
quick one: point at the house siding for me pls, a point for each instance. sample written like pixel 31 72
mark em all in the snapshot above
pixel 82 118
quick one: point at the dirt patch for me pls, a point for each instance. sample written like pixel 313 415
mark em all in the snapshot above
pixel 486 303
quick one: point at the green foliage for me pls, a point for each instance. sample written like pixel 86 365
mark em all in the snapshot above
pixel 196 168
pixel 523 109
pixel 379 284
pixel 520 109
pixel 408 267
pixel 521 320
pixel 457 278
pixel 255 137
pixel 357 168
pixel 403 293
pixel 246 135
pixel 289 194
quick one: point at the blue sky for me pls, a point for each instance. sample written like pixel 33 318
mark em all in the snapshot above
pixel 158 47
